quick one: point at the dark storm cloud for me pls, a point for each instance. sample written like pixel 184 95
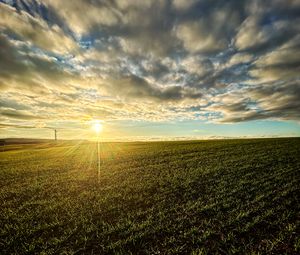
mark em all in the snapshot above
pixel 241 58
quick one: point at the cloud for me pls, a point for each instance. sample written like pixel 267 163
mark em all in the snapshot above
pixel 269 101
pixel 97 13
pixel 23 68
pixel 136 87
pixel 196 38
pixel 35 30
pixel 211 32
pixel 254 36
pixel 20 114
pixel 268 25
pixel 240 58
pixel 132 22
pixel 183 5
pixel 10 103
pixel 14 126
pixel 197 65
pixel 282 63
pixel 281 101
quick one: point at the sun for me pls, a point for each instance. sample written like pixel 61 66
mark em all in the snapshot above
pixel 97 126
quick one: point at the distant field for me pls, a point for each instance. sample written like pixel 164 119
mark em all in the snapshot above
pixel 198 197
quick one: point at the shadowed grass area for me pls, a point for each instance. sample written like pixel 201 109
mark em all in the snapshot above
pixel 198 197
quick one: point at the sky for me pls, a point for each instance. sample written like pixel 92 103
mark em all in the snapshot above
pixel 161 69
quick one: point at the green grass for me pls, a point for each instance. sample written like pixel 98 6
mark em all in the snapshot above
pixel 199 197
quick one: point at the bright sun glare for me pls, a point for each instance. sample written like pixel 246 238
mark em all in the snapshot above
pixel 97 127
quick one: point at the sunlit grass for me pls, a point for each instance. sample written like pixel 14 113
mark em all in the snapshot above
pixel 238 196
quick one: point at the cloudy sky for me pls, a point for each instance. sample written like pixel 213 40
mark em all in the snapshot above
pixel 150 69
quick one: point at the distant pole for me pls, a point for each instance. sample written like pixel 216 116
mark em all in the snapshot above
pixel 55 134
pixel 98 156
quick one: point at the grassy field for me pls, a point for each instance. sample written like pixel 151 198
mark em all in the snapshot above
pixel 198 197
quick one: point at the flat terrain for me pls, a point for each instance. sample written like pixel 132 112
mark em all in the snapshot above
pixel 198 197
